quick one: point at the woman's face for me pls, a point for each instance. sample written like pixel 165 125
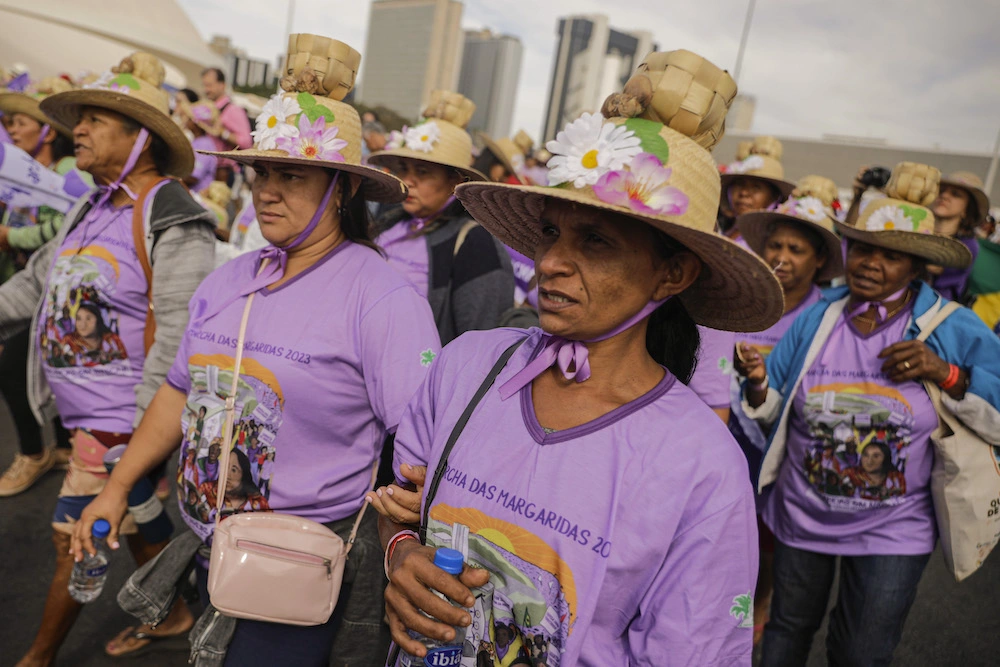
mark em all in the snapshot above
pixel 429 185
pixel 86 323
pixel 749 194
pixel 872 459
pixel 235 477
pixel 951 202
pixel 286 198
pixel 25 132
pixel 596 270
pixel 874 273
pixel 793 258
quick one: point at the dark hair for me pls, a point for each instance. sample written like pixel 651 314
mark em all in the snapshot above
pixel 672 337
pixel 811 235
pixel 158 149
pixel 355 218
pixel 219 74
pixel 246 488
pixel 95 310
pixel 887 465
pixel 485 162
pixel 191 96
pixel 61 147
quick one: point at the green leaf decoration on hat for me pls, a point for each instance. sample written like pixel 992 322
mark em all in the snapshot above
pixel 649 137
pixel 914 213
pixel 126 80
pixel 313 109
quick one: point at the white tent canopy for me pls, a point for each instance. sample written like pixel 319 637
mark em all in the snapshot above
pixel 55 36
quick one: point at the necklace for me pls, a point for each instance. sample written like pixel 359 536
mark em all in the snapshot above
pixel 889 316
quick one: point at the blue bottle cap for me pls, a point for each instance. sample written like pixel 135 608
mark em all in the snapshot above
pixel 100 529
pixel 449 560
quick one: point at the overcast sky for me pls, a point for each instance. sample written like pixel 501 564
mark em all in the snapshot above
pixel 920 73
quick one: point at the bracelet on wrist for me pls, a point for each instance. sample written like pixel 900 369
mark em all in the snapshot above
pixel 952 379
pixel 393 543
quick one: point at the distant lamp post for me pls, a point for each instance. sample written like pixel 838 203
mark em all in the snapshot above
pixel 288 20
pixel 743 41
pixel 992 174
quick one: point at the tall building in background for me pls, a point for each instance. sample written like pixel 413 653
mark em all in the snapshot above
pixel 592 61
pixel 413 47
pixel 491 67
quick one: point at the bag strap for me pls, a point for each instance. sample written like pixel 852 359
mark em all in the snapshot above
pixel 139 239
pixel 462 233
pixel 457 431
pixel 939 317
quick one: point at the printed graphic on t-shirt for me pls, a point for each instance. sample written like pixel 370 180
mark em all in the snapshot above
pixel 259 403
pixel 861 435
pixel 527 610
pixel 81 329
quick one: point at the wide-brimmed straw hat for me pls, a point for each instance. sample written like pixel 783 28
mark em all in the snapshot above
pixel 29 102
pixel 902 222
pixel 763 163
pixel 805 212
pixel 823 189
pixel 135 89
pixel 972 184
pixel 511 152
pixel 202 113
pixel 641 168
pixel 309 125
pixel 440 138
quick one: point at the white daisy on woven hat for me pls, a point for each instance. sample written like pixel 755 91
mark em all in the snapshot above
pixel 654 168
pixel 309 125
pixel 902 222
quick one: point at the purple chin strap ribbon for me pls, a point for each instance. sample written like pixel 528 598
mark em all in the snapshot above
pixel 273 259
pixel 859 309
pixel 570 355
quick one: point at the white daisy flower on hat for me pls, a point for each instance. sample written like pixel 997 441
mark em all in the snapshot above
pixel 811 208
pixel 888 218
pixel 588 148
pixel 423 137
pixel 275 122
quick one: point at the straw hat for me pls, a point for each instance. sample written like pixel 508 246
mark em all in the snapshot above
pixel 203 113
pixel 823 189
pixel 29 102
pixel 440 138
pixel 805 211
pixel 643 169
pixel 135 89
pixel 902 221
pixel 511 152
pixel 309 125
pixel 972 184
pixel 763 163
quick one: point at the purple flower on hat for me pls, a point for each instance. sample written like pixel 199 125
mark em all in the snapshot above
pixel 201 113
pixel 315 141
pixel 643 188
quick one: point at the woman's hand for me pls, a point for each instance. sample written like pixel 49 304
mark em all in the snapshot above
pixel 749 363
pixel 913 360
pixel 402 505
pixel 412 573
pixel 111 504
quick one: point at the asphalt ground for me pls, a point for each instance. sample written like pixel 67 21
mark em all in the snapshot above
pixel 950 623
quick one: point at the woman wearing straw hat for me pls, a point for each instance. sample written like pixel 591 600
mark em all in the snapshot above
pixel 845 375
pixel 463 272
pixel 337 342
pixel 602 504
pixel 23 231
pixel 796 239
pixel 125 139
pixel 960 207
pixel 755 182
pixel 201 119
pixel 502 160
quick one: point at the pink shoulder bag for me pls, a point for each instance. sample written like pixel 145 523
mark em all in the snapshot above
pixel 267 566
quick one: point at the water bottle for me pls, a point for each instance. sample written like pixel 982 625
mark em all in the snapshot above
pixel 89 575
pixel 150 517
pixel 440 654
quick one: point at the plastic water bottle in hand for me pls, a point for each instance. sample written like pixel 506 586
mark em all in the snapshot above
pixel 440 654
pixel 89 575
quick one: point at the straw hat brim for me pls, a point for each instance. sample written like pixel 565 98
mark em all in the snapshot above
pixel 65 108
pixel 982 201
pixel 467 171
pixel 734 292
pixel 753 227
pixel 936 249
pixel 11 103
pixel 375 186
pixel 493 148
pixel 783 187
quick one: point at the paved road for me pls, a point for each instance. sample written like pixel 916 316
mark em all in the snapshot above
pixel 951 624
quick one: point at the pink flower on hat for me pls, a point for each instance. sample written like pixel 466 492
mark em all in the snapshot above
pixel 314 141
pixel 643 188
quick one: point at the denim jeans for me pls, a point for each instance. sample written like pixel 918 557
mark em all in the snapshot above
pixel 874 596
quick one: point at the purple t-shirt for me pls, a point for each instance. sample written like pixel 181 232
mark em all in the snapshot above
pixel 92 322
pixel 330 360
pixel 562 520
pixel 715 367
pixel 951 283
pixel 407 254
pixel 856 477
pixel 204 165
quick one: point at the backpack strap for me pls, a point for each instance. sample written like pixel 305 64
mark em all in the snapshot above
pixel 140 231
pixel 939 317
pixel 462 233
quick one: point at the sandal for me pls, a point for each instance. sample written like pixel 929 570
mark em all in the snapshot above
pixel 175 642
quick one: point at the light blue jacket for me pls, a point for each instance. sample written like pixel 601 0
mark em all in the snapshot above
pixel 962 339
